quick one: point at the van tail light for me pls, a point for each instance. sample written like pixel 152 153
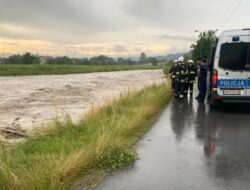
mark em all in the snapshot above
pixel 214 79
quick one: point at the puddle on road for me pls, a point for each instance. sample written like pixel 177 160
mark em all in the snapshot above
pixel 191 147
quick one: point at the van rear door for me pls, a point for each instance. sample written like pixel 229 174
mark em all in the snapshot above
pixel 248 65
pixel 232 63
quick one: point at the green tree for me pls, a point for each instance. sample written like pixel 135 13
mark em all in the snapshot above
pixel 102 60
pixel 62 60
pixel 28 58
pixel 15 59
pixel 152 60
pixel 130 62
pixel 202 46
pixel 121 61
pixel 84 61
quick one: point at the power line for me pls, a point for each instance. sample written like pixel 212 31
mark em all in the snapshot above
pixel 230 16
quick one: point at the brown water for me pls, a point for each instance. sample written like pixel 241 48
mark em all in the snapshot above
pixel 29 101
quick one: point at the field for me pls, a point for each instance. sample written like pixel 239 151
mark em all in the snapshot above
pixel 57 156
pixel 17 70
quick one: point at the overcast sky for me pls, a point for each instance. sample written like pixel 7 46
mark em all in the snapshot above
pixel 112 27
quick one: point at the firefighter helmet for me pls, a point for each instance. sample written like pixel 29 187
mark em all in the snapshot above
pixel 181 59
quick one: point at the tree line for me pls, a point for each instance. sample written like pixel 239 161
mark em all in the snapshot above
pixel 201 48
pixel 29 58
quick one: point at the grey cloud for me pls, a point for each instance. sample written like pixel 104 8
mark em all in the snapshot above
pixel 43 11
pixel 120 22
pixel 179 15
pixel 63 16
pixel 82 17
pixel 176 37
pixel 119 49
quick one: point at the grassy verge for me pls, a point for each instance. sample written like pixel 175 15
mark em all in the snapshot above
pixel 15 70
pixel 166 69
pixel 64 153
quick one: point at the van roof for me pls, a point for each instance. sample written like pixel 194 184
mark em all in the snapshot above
pixel 235 32
pixel 238 30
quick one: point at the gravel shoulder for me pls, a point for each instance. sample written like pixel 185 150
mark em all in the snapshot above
pixel 31 101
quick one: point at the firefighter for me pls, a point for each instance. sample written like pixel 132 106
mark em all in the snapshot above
pixel 183 81
pixel 172 73
pixel 192 73
pixel 202 80
pixel 177 84
pixel 186 79
pixel 182 76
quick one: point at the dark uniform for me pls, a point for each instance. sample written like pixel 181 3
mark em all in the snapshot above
pixel 176 75
pixel 183 81
pixel 202 82
pixel 192 73
pixel 177 84
pixel 186 82
pixel 172 74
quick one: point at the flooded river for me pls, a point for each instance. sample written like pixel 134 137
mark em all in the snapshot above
pixel 29 101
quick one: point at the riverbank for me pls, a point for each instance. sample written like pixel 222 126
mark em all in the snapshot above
pixel 36 69
pixel 58 156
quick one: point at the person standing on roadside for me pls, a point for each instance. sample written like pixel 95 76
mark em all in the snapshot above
pixel 177 80
pixel 172 74
pixel 192 73
pixel 181 77
pixel 186 78
pixel 202 80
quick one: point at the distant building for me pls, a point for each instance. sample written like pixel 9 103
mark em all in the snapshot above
pixel 44 59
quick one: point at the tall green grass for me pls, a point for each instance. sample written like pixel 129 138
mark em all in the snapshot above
pixel 166 69
pixel 63 153
pixel 15 70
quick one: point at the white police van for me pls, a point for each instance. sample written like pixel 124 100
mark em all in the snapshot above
pixel 229 68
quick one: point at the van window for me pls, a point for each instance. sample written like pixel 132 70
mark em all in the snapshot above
pixel 234 56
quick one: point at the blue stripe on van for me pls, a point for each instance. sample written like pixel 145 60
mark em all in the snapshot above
pixel 233 83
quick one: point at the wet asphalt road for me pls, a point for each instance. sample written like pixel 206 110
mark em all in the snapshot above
pixel 191 147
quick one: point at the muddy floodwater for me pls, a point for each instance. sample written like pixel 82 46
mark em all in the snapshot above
pixel 30 101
